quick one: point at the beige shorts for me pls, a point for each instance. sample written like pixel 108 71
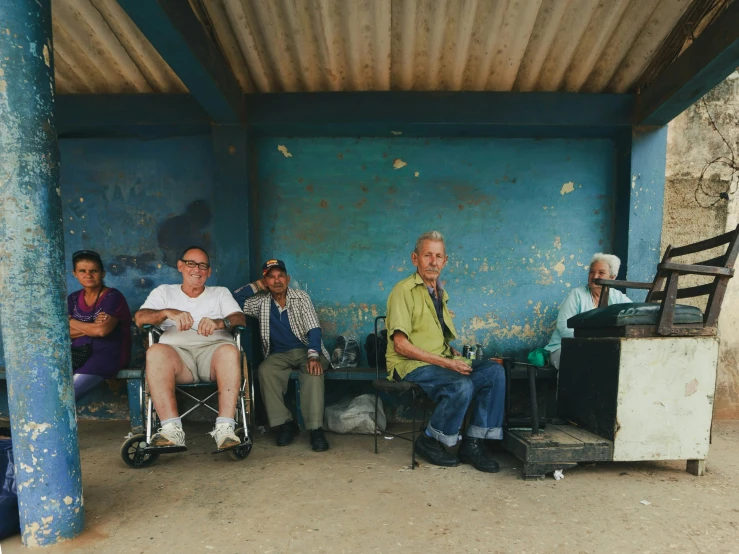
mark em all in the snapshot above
pixel 197 358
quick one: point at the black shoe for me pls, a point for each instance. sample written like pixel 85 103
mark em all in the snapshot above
pixel 434 451
pixel 318 440
pixel 286 434
pixel 473 452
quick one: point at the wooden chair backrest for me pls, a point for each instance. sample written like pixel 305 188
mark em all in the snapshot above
pixel 665 287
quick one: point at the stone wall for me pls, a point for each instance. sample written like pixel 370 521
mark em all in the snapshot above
pixel 692 214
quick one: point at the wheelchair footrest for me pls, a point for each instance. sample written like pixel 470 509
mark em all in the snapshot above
pixel 164 449
pixel 242 445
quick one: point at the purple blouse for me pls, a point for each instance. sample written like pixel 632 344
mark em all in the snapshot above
pixel 112 348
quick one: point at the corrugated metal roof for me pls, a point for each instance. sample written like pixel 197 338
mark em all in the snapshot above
pixel 332 45
pixel 502 45
pixel 98 49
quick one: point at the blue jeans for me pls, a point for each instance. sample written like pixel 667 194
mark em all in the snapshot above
pixel 483 391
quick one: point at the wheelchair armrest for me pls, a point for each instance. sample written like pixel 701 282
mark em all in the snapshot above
pixel 238 329
pixel 153 332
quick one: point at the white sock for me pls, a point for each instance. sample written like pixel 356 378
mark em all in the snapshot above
pixel 176 421
pixel 231 421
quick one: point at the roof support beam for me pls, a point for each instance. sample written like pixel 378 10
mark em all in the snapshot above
pixel 439 114
pixel 175 31
pixel 709 60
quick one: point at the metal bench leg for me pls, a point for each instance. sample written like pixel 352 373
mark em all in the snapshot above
pixel 533 401
pixel 413 429
pixel 377 394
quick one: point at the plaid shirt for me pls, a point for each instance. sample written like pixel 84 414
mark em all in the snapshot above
pixel 300 310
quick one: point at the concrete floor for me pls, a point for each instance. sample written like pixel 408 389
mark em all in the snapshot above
pixel 350 500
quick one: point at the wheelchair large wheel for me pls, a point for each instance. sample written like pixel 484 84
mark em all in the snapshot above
pixel 241 452
pixel 133 456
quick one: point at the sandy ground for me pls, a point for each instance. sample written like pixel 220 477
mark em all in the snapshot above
pixel 350 500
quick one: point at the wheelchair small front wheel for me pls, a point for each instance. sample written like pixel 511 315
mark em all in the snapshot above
pixel 133 454
pixel 241 452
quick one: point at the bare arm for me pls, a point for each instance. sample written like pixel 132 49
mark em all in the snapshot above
pixel 74 333
pixel 404 347
pixel 101 327
pixel 207 325
pixel 236 319
pixel 183 320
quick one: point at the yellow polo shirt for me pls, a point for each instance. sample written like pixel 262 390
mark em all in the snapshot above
pixel 411 310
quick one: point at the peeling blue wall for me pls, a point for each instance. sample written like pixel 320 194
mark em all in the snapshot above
pixel 137 203
pixel 522 218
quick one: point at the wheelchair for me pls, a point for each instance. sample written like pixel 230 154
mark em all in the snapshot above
pixel 137 453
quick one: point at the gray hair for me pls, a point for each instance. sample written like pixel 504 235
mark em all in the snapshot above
pixel 435 236
pixel 613 262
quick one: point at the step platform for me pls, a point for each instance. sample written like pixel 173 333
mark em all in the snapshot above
pixel 555 447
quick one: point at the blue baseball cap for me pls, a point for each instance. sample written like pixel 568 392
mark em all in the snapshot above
pixel 269 264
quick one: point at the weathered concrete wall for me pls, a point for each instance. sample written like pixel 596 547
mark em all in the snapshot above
pixel 521 217
pixel 692 143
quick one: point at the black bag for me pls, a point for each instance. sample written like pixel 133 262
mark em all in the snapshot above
pixel 346 353
pixel 80 354
pixel 374 346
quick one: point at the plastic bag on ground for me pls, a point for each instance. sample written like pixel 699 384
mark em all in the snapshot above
pixel 355 415
pixel 346 353
pixel 9 517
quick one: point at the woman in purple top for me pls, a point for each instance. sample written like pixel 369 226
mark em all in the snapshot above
pixel 99 316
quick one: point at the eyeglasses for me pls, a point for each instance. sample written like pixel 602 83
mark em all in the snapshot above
pixel 191 264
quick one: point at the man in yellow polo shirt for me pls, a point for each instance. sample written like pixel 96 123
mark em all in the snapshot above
pixel 420 328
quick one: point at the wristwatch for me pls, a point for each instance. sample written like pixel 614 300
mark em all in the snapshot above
pixel 226 324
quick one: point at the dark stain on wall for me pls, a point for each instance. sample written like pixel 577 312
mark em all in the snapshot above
pixel 187 229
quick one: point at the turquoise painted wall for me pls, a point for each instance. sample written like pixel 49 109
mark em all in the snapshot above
pixel 522 218
pixel 137 203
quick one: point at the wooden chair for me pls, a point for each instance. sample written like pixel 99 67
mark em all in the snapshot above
pixel 660 315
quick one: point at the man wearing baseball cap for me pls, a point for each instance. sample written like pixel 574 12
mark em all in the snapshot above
pixel 291 341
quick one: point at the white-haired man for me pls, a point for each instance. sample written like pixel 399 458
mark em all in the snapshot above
pixel 420 328
pixel 583 299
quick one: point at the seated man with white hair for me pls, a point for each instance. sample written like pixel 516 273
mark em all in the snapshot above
pixel 583 299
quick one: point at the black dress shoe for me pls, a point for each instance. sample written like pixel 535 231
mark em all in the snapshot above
pixel 318 440
pixel 473 452
pixel 286 433
pixel 434 451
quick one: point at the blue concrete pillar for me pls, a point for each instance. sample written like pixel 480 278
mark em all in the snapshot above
pixel 32 285
pixel 641 166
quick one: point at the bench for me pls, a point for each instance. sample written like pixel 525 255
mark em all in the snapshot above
pixel 132 376
pixel 367 374
pixel 518 414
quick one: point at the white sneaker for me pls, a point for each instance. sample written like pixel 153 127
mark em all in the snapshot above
pixel 224 436
pixel 169 435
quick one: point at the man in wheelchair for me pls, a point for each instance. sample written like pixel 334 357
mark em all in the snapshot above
pixel 196 346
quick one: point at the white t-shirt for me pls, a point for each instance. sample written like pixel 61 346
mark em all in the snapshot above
pixel 213 303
